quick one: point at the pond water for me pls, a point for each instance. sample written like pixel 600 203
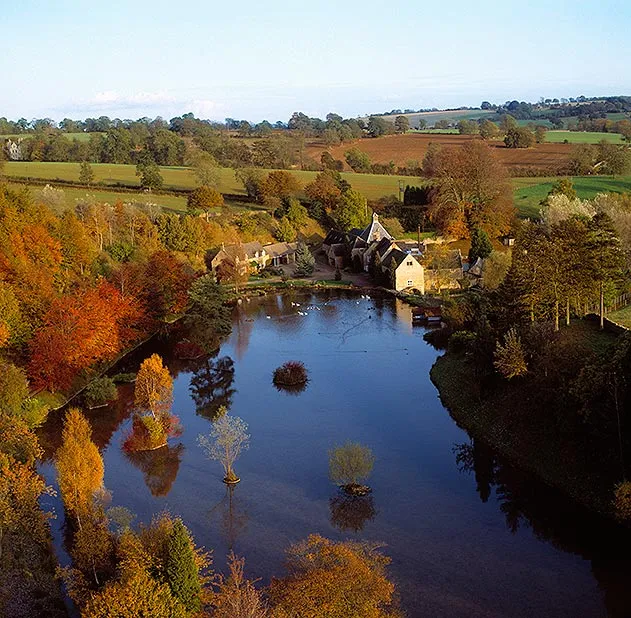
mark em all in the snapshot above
pixel 468 534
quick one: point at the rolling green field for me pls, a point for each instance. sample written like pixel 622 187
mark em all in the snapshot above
pixel 530 191
pixel 583 137
pixel 373 186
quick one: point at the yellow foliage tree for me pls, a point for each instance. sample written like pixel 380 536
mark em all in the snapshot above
pixel 333 580
pixel 154 387
pixel 79 465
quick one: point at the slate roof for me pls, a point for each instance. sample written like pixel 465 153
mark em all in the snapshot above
pixel 334 237
pixel 397 255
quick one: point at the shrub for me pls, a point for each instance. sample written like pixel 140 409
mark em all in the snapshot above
pixel 100 392
pixel 349 464
pixel 291 373
pixel 461 341
pixel 622 501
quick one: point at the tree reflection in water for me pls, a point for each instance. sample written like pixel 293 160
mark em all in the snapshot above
pixel 233 518
pixel 211 386
pixel 351 512
pixel 526 501
pixel 159 467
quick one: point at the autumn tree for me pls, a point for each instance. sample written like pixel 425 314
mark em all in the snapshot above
pixel 472 190
pixel 509 358
pixel 333 580
pixel 204 199
pixel 153 390
pixel 285 231
pixel 227 438
pixel 80 330
pixel 349 464
pixel 167 280
pixel 79 465
pixel 325 189
pixel 236 596
pixel 488 129
pixel 279 184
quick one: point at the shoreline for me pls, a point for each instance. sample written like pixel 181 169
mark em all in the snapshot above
pixel 580 483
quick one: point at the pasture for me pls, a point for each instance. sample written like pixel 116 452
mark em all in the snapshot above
pixel 582 137
pixel 431 118
pixel 530 191
pixel 373 186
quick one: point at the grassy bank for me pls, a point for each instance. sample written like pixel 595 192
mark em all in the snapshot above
pixel 510 420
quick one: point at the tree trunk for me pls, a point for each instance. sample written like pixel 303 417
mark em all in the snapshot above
pixel 602 306
pixel 567 311
pixel 556 315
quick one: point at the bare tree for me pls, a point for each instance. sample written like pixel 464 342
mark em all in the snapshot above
pixel 224 444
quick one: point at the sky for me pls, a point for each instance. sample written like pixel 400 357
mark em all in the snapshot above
pixel 265 60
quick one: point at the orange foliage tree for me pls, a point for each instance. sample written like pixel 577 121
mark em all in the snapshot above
pixel 333 580
pixel 79 465
pixel 78 331
pixel 472 190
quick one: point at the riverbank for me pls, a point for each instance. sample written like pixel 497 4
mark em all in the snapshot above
pixel 504 420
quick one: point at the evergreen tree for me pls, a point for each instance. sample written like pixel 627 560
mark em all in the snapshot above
pixel 180 568
pixel 305 262
pixel 481 246
pixel 150 176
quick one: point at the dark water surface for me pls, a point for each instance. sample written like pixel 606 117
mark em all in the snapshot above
pixel 468 534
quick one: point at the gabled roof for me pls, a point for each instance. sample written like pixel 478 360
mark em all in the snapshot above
pixel 248 248
pixel 374 231
pixel 335 237
pixel 396 256
pixel 383 245
pixel 280 248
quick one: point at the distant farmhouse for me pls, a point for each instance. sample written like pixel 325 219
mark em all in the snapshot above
pixel 13 149
pixel 399 264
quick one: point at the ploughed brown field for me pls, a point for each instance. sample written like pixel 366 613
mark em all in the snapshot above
pixel 413 146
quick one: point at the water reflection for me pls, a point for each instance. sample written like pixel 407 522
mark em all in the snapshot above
pixel 351 513
pixel 211 386
pixel 233 519
pixel 159 467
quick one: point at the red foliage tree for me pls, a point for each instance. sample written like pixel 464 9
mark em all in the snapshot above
pixel 78 331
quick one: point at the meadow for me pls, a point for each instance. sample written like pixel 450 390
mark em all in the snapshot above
pixel 433 117
pixel 582 137
pixel 373 186
pixel 530 191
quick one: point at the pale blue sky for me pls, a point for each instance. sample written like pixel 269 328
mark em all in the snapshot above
pixel 257 60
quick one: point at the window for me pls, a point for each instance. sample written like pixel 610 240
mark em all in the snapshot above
pixel 409 263
pixel 410 282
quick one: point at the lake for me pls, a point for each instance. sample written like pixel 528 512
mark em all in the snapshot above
pixel 468 534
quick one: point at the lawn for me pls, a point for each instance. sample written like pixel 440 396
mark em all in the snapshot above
pixel 373 186
pixel 530 191
pixel 583 137
pixel 622 317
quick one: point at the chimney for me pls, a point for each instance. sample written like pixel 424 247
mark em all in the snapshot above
pixel 375 216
